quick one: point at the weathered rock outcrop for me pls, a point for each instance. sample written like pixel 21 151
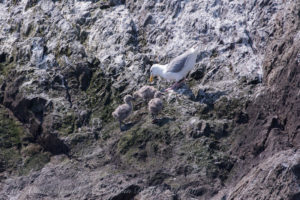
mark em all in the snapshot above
pixel 231 133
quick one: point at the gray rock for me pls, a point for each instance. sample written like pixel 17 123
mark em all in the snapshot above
pixel 283 166
pixel 65 66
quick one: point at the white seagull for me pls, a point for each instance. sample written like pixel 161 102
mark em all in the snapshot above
pixel 177 69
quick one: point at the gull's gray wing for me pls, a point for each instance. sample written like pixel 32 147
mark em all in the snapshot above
pixel 177 64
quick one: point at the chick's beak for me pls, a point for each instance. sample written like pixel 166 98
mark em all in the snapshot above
pixel 151 78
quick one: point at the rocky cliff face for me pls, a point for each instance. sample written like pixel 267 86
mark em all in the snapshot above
pixel 231 133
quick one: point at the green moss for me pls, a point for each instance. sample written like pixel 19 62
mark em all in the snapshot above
pixel 31 150
pixel 105 135
pixel 132 138
pixel 102 98
pixel 35 162
pixel 213 160
pixel 10 135
pixel 11 145
pixel 227 108
pixel 68 124
pixel 10 159
pixel 6 67
pixel 140 135
pixel 10 132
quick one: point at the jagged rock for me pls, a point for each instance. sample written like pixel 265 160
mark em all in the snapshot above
pixel 201 128
pixel 65 66
pixel 128 193
pixel 157 178
pixel 283 168
pixel 242 118
pixel 196 192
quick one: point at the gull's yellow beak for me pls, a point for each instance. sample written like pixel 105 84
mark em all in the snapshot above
pixel 151 78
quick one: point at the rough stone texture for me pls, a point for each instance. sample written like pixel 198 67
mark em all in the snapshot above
pixel 277 172
pixel 232 132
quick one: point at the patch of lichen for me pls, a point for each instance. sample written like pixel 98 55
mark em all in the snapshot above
pixel 103 99
pixel 34 163
pixel 197 152
pixel 11 133
pixel 108 130
pixel 10 159
pixel 67 124
pixel 208 157
pixel 6 67
pixel 12 145
pixel 140 135
pixel 80 144
pixel 223 108
pixel 146 145
pixel 136 136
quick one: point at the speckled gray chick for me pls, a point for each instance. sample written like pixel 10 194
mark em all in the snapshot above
pixel 155 105
pixel 145 93
pixel 124 110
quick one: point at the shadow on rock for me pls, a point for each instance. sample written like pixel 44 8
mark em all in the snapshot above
pixel 128 193
pixel 186 91
pixel 202 96
pixel 209 97
pixel 127 126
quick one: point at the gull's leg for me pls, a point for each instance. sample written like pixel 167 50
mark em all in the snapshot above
pixel 176 85
pixel 171 88
pixel 183 81
pixel 179 83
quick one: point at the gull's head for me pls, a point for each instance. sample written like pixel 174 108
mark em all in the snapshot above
pixel 154 71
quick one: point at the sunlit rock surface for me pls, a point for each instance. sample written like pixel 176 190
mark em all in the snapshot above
pixel 232 132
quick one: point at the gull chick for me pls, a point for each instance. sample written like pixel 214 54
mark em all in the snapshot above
pixel 155 105
pixel 124 110
pixel 146 93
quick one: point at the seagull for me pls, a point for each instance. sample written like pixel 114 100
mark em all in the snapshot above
pixel 177 69
pixel 124 110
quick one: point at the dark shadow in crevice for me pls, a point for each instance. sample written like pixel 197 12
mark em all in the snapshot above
pixel 127 126
pixel 202 96
pixel 209 98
